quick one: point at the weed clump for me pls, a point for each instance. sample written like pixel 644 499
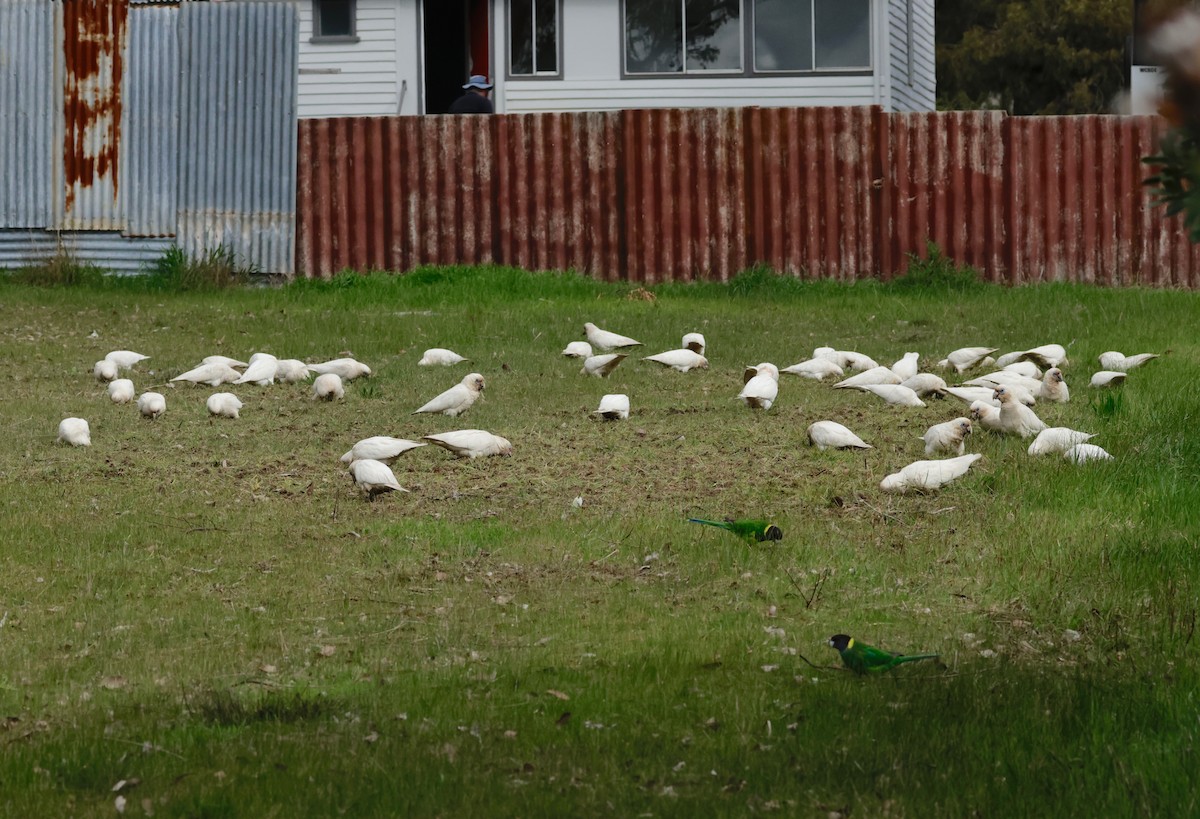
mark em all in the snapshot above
pixel 62 269
pixel 217 269
pixel 936 272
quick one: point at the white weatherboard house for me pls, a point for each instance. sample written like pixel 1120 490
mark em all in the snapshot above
pixel 387 57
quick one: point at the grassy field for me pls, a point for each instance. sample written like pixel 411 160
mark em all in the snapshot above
pixel 203 618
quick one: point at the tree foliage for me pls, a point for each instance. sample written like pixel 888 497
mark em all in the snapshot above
pixel 1033 56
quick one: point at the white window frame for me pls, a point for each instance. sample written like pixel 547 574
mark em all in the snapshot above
pixel 558 32
pixel 848 69
pixel 319 37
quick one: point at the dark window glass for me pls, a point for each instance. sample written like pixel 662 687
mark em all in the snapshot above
pixel 783 35
pixel 546 22
pixel 520 27
pixel 653 36
pixel 334 18
pixel 714 35
pixel 843 33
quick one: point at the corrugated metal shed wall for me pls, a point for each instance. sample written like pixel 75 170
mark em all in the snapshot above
pixel 238 124
pixel 675 195
pixel 28 100
pixel 150 123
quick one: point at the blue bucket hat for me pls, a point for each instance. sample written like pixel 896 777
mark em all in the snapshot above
pixel 478 81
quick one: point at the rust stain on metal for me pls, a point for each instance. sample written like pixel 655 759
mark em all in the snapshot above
pixel 93 51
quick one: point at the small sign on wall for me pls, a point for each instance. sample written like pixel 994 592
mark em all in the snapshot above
pixel 1145 88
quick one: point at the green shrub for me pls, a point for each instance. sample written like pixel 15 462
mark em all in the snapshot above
pixel 936 271
pixel 60 270
pixel 217 269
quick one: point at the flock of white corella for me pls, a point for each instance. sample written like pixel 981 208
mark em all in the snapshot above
pixel 1001 400
pixel 367 461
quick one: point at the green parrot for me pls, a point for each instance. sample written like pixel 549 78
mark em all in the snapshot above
pixel 747 530
pixel 864 659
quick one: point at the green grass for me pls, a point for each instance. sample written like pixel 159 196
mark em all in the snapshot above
pixel 208 610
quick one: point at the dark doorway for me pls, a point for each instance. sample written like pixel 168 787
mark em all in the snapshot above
pixel 456 46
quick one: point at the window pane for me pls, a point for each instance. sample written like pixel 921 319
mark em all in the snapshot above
pixel 653 36
pixel 547 35
pixel 783 35
pixel 714 35
pixel 335 18
pixel 843 33
pixel 520 33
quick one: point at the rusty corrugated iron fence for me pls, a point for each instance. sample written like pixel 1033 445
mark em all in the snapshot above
pixel 681 195
pixel 127 126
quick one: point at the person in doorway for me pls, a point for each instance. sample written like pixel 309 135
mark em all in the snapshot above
pixel 475 100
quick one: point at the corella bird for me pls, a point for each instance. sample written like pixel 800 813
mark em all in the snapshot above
pixel 926 384
pixel 846 359
pixel 223 405
pixel 682 360
pixel 458 399
pixel 1058 439
pixel 761 386
pixel 374 478
pixel 291 370
pixel 604 340
pixel 470 443
pixel 987 415
pixel 751 531
pixel 601 365
pixel 121 391
pixel 1025 368
pixel 907 366
pixel 74 431
pixel 125 359
pixel 948 437
pixel 578 349
pixel 1082 453
pixel 213 375
pixel 1015 417
pixel 1046 356
pixel 1113 360
pixel 894 394
pixel 1108 378
pixel 965 358
pixel 260 371
pixel 346 368
pixel 440 357
pixel 815 368
pixel 832 435
pixel 875 375
pixel 328 387
pixel 694 342
pixel 380 448
pixel 864 659
pixel 969 395
pixel 613 407
pixel 223 359
pixel 921 475
pixel 104 370
pixel 151 404
pixel 1054 387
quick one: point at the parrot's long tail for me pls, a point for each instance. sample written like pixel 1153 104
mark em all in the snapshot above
pixel 912 658
pixel 719 524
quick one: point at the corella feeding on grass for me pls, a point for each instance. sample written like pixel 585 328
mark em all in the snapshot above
pixel 260 371
pixel 682 360
pixel 846 359
pixel 1015 417
pixel 440 357
pixel 328 387
pixel 832 435
pixel 223 405
pixel 74 431
pixel 601 365
pixel 224 359
pixel 1082 453
pixel 926 384
pixel 614 407
pixel 950 436
pixel 374 478
pixel 875 375
pixel 151 404
pixel 104 370
pixel 291 370
pixel 380 448
pixel 1113 360
pixel 923 475
pixel 1108 378
pixel 896 394
pixel 125 359
pixel 965 358
pixel 214 375
pixel 694 342
pixel 471 443
pixel 121 391
pixel 604 340
pixel 458 399
pixel 906 367
pixel 1058 439
pixel 345 368
pixel 761 386
pixel 987 415
pixel 815 368
pixel 578 349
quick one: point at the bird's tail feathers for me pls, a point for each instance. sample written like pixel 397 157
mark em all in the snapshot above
pixel 912 658
pixel 718 523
